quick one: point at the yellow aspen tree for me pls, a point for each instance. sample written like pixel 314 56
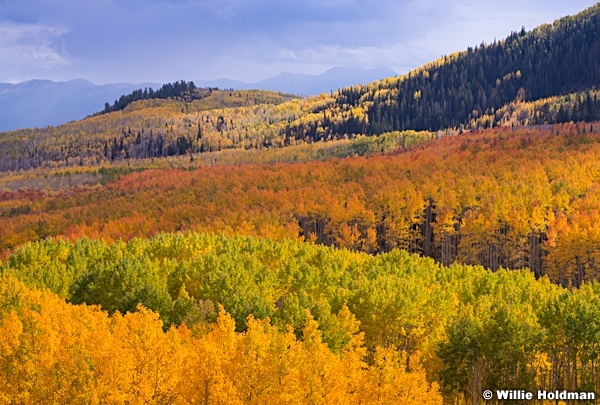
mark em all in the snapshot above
pixel 204 378
pixel 387 381
pixel 156 355
pixel 322 374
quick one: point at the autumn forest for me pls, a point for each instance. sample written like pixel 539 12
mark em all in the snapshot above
pixel 416 240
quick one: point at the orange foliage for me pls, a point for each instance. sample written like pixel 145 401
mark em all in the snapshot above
pixel 488 198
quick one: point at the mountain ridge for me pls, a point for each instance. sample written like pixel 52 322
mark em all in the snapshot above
pixel 55 103
pixel 306 84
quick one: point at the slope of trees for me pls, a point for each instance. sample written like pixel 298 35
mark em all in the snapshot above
pixel 153 128
pixel 117 311
pixel 64 178
pixel 498 198
pixel 551 60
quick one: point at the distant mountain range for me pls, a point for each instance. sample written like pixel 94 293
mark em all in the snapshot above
pixel 39 103
pixel 306 85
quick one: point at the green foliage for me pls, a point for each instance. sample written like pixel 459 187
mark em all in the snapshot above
pixel 120 281
pixel 45 267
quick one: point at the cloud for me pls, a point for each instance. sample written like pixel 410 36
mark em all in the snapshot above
pixel 33 43
pixel 165 40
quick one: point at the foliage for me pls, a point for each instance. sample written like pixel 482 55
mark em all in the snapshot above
pixel 498 198
pixel 574 107
pixel 52 352
pixel 298 323
pixel 116 311
pixel 152 128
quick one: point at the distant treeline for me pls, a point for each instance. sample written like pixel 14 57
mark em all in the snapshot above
pixel 181 89
pixel 545 76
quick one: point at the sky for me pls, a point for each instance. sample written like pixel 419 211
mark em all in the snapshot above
pixel 135 41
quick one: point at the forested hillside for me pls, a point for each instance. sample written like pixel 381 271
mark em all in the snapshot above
pixel 551 60
pixel 498 198
pixel 456 91
pixel 153 128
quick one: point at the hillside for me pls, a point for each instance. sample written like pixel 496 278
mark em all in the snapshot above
pixel 426 205
pixel 149 128
pixel 551 60
pixel 498 198
pixel 471 89
pixel 414 241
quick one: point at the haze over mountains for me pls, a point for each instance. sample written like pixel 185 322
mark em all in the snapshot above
pixel 306 85
pixel 39 103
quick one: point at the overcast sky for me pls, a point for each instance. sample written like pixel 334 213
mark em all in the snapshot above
pixel 135 41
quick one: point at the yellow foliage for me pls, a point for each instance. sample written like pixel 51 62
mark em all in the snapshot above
pixel 52 352
pixel 388 382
